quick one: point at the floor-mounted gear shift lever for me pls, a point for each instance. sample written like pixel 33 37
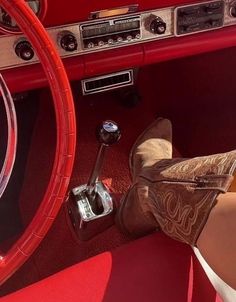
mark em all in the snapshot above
pixel 93 199
pixel 108 134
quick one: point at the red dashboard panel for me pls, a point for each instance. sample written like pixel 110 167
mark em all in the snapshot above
pixel 65 12
pixel 91 64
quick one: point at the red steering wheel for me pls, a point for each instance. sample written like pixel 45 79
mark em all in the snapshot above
pixel 66 138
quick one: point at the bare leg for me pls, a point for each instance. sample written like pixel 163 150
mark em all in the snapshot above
pixel 217 242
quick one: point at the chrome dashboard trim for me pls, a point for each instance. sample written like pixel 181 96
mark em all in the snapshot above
pixel 8 58
pixel 129 82
pixel 84 206
pixel 229 20
pixel 129 9
pixel 200 31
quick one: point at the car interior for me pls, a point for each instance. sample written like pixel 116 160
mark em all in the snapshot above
pixel 79 81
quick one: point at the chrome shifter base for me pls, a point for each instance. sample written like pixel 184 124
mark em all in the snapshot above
pixel 85 209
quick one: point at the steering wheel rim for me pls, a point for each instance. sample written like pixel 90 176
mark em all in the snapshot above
pixel 10 156
pixel 66 138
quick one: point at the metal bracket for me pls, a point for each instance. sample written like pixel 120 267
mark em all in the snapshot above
pixel 84 205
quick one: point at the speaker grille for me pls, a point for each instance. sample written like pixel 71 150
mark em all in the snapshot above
pixel 107 82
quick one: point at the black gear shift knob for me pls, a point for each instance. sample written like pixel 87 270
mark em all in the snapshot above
pixel 108 133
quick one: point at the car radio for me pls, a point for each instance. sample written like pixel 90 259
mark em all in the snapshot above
pixel 111 32
pixel 124 30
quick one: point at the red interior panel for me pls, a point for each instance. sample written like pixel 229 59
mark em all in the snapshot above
pixel 65 12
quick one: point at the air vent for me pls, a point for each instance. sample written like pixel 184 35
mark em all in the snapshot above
pixel 107 82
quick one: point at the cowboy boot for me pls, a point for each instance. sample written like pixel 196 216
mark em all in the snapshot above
pixel 176 195
pixel 154 144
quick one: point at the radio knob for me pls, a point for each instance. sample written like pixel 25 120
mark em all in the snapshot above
pixel 119 39
pixel 158 26
pixel 68 41
pixel 101 43
pixel 24 50
pixel 110 41
pixel 90 45
pixel 129 38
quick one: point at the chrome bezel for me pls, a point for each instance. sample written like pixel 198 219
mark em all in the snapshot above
pixel 192 5
pixel 84 207
pixel 129 82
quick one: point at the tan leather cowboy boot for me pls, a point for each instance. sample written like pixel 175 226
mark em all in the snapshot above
pixel 176 195
pixel 154 144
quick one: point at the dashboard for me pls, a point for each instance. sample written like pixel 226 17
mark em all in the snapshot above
pixel 94 38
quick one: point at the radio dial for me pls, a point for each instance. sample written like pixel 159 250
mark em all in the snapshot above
pixel 158 26
pixel 68 41
pixel 24 50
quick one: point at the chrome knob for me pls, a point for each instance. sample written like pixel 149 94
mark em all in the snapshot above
pixel 158 26
pixel 119 39
pixel 90 45
pixel 110 41
pixel 24 50
pixel 108 133
pixel 101 43
pixel 67 41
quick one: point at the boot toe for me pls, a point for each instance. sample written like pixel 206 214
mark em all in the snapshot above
pixel 153 144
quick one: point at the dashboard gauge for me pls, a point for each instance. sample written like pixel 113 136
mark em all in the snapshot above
pixel 8 24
